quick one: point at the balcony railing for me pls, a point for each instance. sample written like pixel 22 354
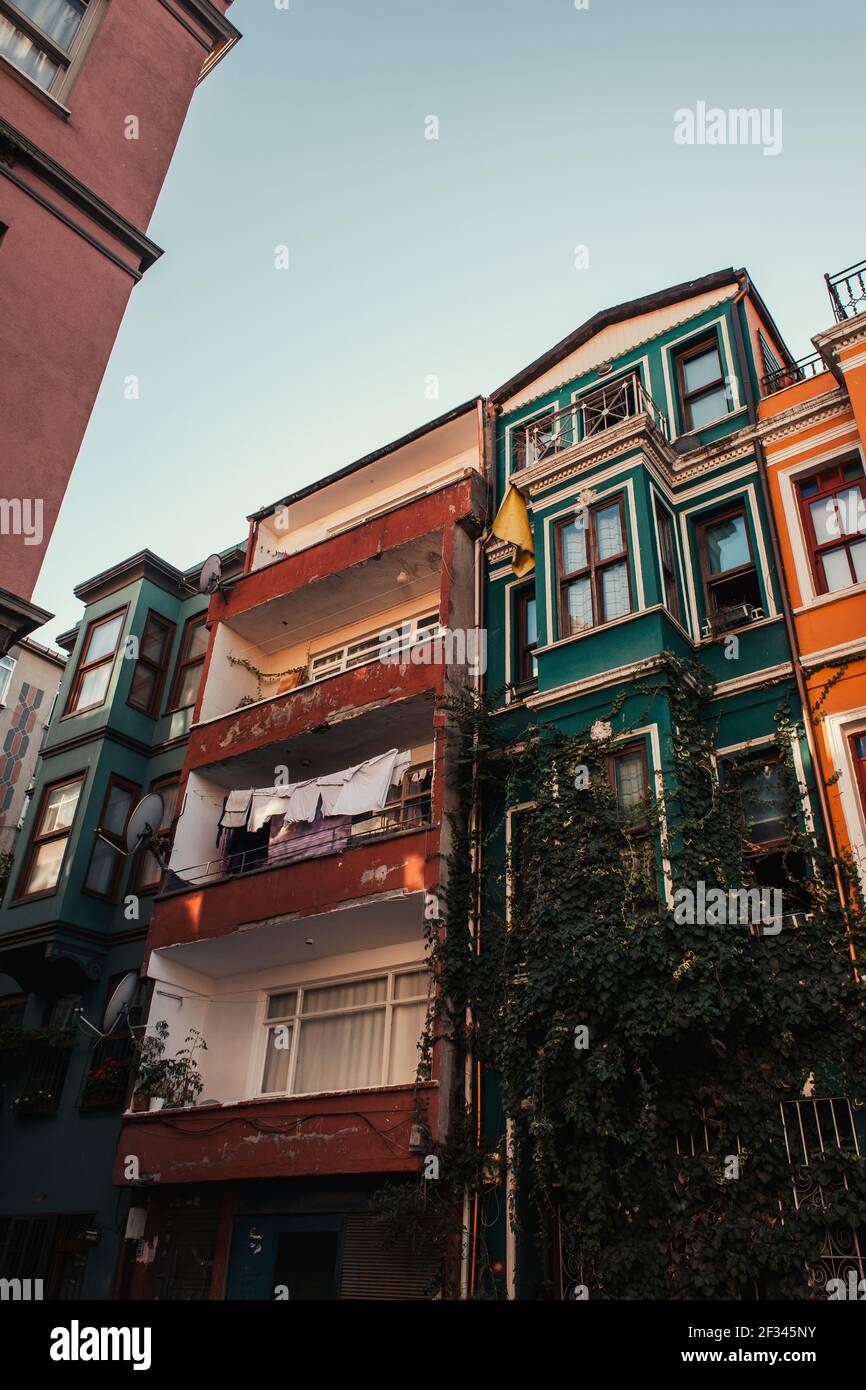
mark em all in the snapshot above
pixel 42 1084
pixel 847 291
pixel 410 809
pixel 800 370
pixel 108 1076
pixel 592 415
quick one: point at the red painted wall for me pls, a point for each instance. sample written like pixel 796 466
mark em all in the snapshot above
pixel 61 298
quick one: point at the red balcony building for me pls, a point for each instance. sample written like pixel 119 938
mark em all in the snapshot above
pixel 306 854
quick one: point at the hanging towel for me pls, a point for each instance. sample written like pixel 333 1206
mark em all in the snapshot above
pixel 267 802
pixel 237 810
pixel 303 802
pixel 366 789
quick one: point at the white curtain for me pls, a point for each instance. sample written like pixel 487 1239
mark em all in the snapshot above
pixel 338 1054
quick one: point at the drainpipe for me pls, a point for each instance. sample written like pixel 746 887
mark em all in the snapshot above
pixel 787 610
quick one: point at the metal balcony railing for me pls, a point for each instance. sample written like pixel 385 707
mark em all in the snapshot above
pixel 410 809
pixel 801 370
pixel 598 411
pixel 42 1084
pixel 847 291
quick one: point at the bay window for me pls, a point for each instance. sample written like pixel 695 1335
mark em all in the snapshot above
pixel 667 559
pixel 592 568
pixel 96 663
pixel 731 588
pixel 702 384
pixel 190 664
pixel 107 855
pixel 344 1036
pixel 526 623
pixel 148 677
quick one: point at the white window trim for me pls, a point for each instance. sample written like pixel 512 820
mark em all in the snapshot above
pixel 748 497
pixel 838 730
pixel 258 1052
pixel 7 664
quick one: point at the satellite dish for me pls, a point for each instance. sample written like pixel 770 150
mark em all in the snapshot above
pixel 118 1006
pixel 211 574
pixel 144 821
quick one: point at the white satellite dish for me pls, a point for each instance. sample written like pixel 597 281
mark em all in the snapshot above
pixel 144 822
pixel 117 1008
pixel 121 1001
pixel 211 574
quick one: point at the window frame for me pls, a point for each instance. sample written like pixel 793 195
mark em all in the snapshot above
pixel 709 580
pixel 593 570
pixel 114 780
pixel 67 60
pixel 137 883
pixel 37 838
pixel 754 762
pixel 151 710
pixel 641 828
pixel 296 1019
pixel 182 663
pixel 859 766
pixel 665 526
pixel 83 667
pixel 697 348
pixel 8 664
pixel 817 549
pixel 525 677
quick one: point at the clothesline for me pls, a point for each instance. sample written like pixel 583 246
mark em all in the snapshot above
pixel 351 791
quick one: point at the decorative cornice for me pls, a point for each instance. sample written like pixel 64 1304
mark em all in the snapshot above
pixel 17 151
pixel 830 405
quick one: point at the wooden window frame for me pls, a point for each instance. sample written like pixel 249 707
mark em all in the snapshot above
pixel 639 828
pixel 37 838
pixel 593 570
pixel 697 348
pixel 670 586
pixel 182 663
pixel 137 884
pixel 151 710
pixel 84 667
pixel 754 848
pixel 817 549
pixel 114 780
pixel 525 651
pixel 859 765
pixel 710 580
pixel 68 60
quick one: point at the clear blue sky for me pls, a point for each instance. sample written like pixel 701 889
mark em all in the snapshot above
pixel 411 257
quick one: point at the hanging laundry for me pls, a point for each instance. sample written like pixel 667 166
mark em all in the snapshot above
pixel 366 788
pixel 267 802
pixel 237 810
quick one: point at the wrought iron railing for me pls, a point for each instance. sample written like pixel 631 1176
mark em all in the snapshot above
pixel 814 1128
pixel 593 414
pixel 801 370
pixel 107 1081
pixel 847 291
pixel 42 1083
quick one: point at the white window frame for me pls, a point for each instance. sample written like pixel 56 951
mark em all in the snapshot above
pixel 7 665
pixel 297 1019
pixel 369 647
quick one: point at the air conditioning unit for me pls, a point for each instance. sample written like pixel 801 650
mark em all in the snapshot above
pixel 733 616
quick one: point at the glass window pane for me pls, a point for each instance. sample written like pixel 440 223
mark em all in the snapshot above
pixel 93 687
pixel 837 571
pixel 764 804
pixel 349 996
pixel 809 488
pixel 60 808
pixel 282 1005
pixel 197 642
pixel 338 1054
pixel 701 369
pixel 578 598
pixel 59 19
pixel 153 643
pixel 705 409
pixel 23 52
pixel 120 800
pixel 45 868
pixel 852 509
pixel 279 1049
pixel 860 745
pixel 573 548
pixel 727 544
pixel 143 685
pixel 854 469
pixel 614 591
pixel 187 691
pixel 826 520
pixel 102 865
pixel 411 985
pixel 407 1026
pixel 629 778
pixel 103 640
pixel 858 559
pixel 531 623
pixel 608 531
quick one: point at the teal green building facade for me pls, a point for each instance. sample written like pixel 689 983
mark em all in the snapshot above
pixel 75 915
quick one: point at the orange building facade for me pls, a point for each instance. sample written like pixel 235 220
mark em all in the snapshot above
pixel 812 427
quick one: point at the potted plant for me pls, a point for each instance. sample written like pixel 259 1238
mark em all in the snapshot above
pixel 172 1081
pixel 151 1069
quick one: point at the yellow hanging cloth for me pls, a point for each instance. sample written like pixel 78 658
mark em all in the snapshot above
pixel 512 524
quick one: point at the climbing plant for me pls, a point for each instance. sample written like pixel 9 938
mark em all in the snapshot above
pixel 647 1062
